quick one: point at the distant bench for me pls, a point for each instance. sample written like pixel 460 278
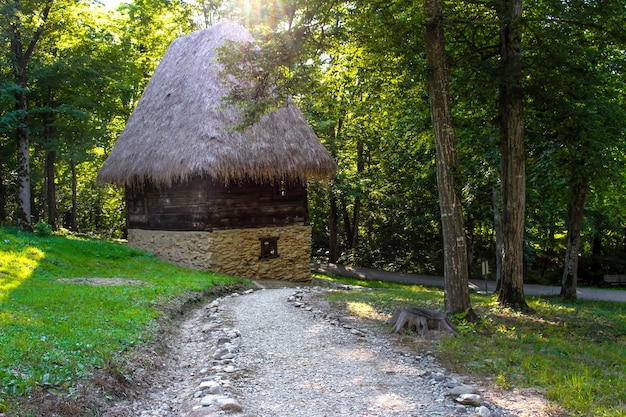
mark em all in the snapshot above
pixel 619 279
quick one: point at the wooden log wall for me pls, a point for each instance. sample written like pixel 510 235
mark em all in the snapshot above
pixel 203 204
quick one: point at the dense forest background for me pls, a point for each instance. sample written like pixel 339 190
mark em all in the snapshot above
pixel 72 71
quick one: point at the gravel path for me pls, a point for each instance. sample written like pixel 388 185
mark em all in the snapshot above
pixel 276 353
pixel 298 365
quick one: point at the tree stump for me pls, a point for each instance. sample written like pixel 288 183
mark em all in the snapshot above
pixel 421 320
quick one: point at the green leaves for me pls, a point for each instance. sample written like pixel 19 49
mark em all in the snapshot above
pixel 357 71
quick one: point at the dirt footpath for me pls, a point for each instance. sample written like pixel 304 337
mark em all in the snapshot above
pixel 285 352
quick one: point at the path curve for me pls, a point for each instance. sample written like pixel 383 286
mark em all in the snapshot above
pixel 280 353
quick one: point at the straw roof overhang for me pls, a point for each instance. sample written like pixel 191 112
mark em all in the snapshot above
pixel 181 128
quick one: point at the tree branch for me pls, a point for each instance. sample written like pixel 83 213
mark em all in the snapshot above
pixel 39 32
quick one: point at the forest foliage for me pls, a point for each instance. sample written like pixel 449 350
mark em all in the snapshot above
pixel 357 70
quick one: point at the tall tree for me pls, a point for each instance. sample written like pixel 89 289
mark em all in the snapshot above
pixel 512 156
pixel 23 37
pixel 453 230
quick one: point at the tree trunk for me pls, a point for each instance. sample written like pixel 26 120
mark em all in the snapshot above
pixel 596 248
pixel 471 243
pixel 20 56
pixel 347 229
pixel 513 167
pixel 73 221
pixel 23 211
pixel 356 213
pixel 456 280
pixel 333 245
pixel 333 250
pixel 575 213
pixel 50 163
pixel 51 195
pixel 3 196
pixel 356 218
pixel 421 320
pixel 20 62
pixel 497 225
pixel 207 13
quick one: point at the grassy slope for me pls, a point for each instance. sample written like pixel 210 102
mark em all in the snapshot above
pixel 54 332
pixel 575 351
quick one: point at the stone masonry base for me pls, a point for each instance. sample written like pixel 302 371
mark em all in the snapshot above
pixel 233 252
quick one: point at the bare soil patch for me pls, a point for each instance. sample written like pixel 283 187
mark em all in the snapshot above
pixel 114 282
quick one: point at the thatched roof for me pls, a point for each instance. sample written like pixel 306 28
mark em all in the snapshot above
pixel 181 128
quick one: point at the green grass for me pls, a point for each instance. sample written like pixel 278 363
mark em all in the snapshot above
pixel 575 351
pixel 53 332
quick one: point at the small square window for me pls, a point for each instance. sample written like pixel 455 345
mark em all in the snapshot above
pixel 269 247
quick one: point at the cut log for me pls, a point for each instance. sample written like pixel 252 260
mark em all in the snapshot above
pixel 421 320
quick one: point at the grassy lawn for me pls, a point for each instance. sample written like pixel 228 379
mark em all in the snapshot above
pixel 54 331
pixel 574 351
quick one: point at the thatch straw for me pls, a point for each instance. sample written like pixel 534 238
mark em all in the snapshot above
pixel 181 128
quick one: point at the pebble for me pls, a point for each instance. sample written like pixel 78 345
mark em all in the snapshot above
pixel 483 411
pixel 229 404
pixel 219 354
pixel 469 399
pixel 461 389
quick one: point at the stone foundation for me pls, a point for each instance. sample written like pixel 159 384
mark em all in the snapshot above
pixel 233 252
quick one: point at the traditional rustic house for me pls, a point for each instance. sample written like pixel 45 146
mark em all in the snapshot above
pixel 202 193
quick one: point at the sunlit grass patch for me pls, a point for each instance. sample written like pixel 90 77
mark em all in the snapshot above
pixel 17 263
pixel 385 297
pixel 364 310
pixel 56 330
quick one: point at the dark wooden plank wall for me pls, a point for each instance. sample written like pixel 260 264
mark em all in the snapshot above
pixel 201 204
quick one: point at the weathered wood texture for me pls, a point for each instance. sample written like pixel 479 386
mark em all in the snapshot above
pixel 203 204
pixel 421 320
